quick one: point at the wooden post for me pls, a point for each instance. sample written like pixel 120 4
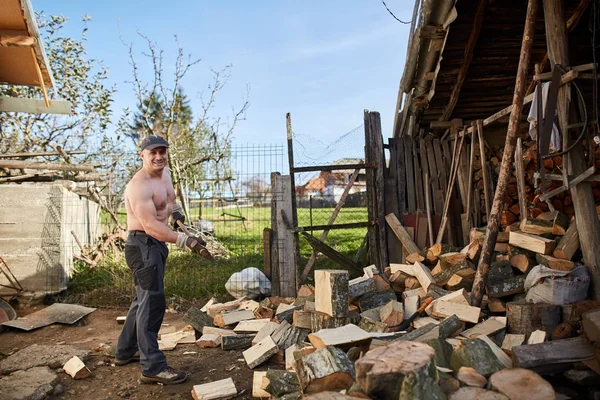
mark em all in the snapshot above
pixel 509 149
pixel 294 210
pixel 583 199
pixel 285 237
pixel 520 181
pixel 374 156
pixel 275 198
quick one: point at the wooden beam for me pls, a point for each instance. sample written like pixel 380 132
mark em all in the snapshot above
pixel 468 57
pixel 509 149
pixel 17 164
pixel 292 286
pixel 333 254
pixel 339 167
pixel 33 106
pixel 16 38
pixel 583 198
pixel 40 154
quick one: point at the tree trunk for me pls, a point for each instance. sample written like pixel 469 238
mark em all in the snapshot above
pixel 325 369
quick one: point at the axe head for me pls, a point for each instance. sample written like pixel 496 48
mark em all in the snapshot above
pixel 203 251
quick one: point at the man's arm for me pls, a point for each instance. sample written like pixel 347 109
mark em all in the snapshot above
pixel 140 200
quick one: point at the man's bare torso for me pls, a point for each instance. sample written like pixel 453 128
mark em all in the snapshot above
pixel 162 192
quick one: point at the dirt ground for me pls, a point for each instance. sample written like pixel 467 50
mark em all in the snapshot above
pixel 111 382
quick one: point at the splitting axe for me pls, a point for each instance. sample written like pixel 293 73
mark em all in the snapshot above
pixel 204 251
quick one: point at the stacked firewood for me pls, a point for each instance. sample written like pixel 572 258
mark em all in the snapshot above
pixel 562 202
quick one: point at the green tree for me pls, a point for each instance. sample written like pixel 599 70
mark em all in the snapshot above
pixel 79 80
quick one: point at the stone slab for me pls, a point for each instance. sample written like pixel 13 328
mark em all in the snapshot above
pixel 56 313
pixel 34 384
pixel 40 355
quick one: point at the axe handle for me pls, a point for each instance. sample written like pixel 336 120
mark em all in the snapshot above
pixel 407 322
pixel 205 253
pixel 183 228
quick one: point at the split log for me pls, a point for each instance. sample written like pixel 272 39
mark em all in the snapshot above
pixel 464 268
pixel 536 337
pixel 76 368
pixel 471 377
pixel 402 234
pixel 331 292
pixel 457 282
pixel 402 370
pixel 211 330
pixel 266 330
pixel 550 357
pixel 251 326
pixel 536 226
pixel 301 319
pixel 474 393
pixel 344 337
pixel 486 328
pixel 568 244
pixel 232 317
pixel 257 391
pixel 533 243
pixel 375 299
pixel 519 383
pixel 521 259
pixel 476 354
pixel 496 305
pixel 411 304
pixel 306 291
pixel 524 318
pixel 197 319
pixel 320 321
pixel 286 335
pixel 280 383
pixel 392 313
pixel 223 389
pixel 214 309
pixel 443 350
pixel 371 325
pixel 359 286
pixel 444 309
pixel 507 287
pixel 209 340
pixel 504 359
pixel 288 314
pixel 554 263
pixel 500 271
pixel 591 325
pixel 422 273
pixel 327 368
pixel 512 340
pixel 260 352
pixel 236 342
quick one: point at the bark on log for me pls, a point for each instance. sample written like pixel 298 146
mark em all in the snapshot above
pixel 507 287
pixel 402 370
pixel 509 150
pixel 331 292
pixel 197 319
pixel 236 342
pixel 521 259
pixel 476 354
pixel 554 263
pixel 325 369
pixel 359 286
pixel 375 299
pixel 320 321
pixel 519 383
pixel 524 318
pixel 282 383
pixel 550 357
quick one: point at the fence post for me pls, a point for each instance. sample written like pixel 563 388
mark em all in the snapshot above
pixel 284 271
pixel 275 198
pixel 294 211
pixel 375 160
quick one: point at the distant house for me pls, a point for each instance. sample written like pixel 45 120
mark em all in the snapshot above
pixel 330 185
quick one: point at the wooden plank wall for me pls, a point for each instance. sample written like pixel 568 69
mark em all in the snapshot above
pixel 410 159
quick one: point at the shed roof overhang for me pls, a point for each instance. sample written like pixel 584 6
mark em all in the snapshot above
pixel 23 60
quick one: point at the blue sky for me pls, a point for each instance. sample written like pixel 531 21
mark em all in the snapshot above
pixel 323 61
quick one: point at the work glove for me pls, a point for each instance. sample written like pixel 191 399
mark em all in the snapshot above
pixel 192 243
pixel 177 215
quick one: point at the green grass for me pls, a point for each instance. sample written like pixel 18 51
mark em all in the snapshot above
pixel 189 276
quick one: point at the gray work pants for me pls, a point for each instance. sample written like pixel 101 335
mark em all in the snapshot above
pixel 146 257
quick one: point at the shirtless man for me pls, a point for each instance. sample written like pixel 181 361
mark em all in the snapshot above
pixel 149 200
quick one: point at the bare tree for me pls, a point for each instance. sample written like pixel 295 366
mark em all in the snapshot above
pixel 197 142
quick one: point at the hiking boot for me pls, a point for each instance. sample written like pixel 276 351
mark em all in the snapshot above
pixel 167 376
pixel 135 357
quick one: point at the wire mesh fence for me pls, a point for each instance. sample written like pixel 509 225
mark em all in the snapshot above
pixel 318 192
pixel 68 242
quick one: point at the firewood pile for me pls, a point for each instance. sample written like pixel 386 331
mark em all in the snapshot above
pixel 411 333
pixel 562 202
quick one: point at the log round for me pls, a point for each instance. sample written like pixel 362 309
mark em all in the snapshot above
pixel 471 393
pixel 521 384
pixel 401 370
pixel 524 318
